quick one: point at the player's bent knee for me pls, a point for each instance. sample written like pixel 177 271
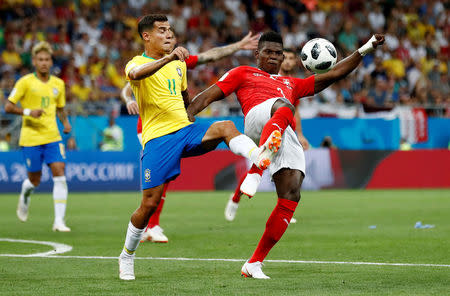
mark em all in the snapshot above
pixel 281 103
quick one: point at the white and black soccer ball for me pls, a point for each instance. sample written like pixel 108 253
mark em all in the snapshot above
pixel 318 55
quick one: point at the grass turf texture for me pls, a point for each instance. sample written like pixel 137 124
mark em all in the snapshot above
pixel 332 226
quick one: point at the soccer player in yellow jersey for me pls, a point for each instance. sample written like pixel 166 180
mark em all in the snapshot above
pixel 158 80
pixel 42 97
pixel 154 232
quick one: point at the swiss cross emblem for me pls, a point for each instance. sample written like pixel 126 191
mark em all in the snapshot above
pixel 286 81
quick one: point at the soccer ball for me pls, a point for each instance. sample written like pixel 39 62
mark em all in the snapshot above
pixel 318 55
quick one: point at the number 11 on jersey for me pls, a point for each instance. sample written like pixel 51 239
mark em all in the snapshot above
pixel 172 86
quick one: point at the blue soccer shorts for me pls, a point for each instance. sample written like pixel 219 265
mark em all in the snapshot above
pixel 161 158
pixel 34 156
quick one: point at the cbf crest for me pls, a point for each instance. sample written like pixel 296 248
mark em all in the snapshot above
pixel 55 91
pixel 147 175
pixel 180 73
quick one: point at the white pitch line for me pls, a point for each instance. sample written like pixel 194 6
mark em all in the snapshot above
pixel 238 260
pixel 57 247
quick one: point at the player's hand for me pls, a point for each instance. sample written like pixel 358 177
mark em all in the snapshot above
pixel 191 117
pixel 36 113
pixel 303 141
pixel 249 42
pixel 67 128
pixel 179 53
pixel 379 40
pixel 132 107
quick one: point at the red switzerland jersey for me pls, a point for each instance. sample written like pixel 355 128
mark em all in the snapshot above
pixel 191 63
pixel 254 86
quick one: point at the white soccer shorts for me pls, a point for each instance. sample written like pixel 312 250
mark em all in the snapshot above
pixel 291 153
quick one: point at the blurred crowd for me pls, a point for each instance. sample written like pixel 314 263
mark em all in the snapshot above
pixel 93 40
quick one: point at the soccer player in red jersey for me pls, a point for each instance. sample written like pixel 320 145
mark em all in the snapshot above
pixel 154 231
pixel 267 100
pixel 288 68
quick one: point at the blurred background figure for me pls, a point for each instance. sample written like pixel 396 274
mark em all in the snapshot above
pixel 4 142
pixel 327 142
pixel 112 136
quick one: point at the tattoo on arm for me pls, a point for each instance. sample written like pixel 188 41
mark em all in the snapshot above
pixel 217 53
pixel 62 115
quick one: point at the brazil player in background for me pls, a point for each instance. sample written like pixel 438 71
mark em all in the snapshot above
pixel 42 98
pixel 158 80
pixel 154 232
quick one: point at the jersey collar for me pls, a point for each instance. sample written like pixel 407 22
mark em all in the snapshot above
pixel 146 56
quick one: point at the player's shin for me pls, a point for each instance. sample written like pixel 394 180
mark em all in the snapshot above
pixel 132 240
pixel 27 188
pixel 244 146
pixel 60 193
pixel 275 227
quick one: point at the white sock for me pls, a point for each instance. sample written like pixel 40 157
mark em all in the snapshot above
pixel 132 240
pixel 244 146
pixel 60 198
pixel 27 188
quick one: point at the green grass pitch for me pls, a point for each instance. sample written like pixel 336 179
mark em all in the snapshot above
pixel 332 226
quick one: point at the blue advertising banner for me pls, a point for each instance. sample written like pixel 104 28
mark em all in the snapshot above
pixel 85 171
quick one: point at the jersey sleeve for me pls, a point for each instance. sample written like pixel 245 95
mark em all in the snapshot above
pixel 191 62
pixel 230 81
pixel 18 91
pixel 184 79
pixel 130 65
pixel 303 87
pixel 61 99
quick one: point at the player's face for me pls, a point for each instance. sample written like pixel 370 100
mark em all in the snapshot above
pixel 289 63
pixel 270 57
pixel 161 37
pixel 42 61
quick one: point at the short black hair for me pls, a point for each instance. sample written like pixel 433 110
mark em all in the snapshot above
pixel 147 22
pixel 288 49
pixel 270 36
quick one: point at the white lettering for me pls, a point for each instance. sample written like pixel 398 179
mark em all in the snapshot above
pixel 19 172
pixel 3 173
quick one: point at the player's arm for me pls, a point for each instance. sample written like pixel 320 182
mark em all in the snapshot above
pixel 186 99
pixel 12 108
pixel 249 42
pixel 126 94
pixel 16 95
pixel 298 128
pixel 150 68
pixel 347 65
pixel 62 115
pixel 203 100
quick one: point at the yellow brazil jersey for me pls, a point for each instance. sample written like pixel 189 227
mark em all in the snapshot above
pixel 161 104
pixel 32 93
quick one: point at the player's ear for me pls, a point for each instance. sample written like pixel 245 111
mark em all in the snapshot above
pixel 145 36
pixel 256 53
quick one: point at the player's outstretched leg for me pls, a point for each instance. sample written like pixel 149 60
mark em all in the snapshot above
pixel 239 144
pixel 288 184
pixel 154 232
pixel 150 200
pixel 24 200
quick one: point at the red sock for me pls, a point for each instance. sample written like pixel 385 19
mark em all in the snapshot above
pixel 154 219
pixel 275 227
pixel 280 120
pixel 237 193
